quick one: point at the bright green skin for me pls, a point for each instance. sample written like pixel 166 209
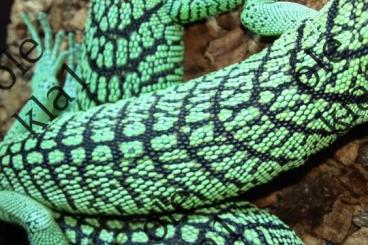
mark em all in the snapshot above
pixel 135 47
pixel 220 224
pixel 214 137
pixel 272 18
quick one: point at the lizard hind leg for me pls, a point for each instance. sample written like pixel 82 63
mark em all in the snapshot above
pixel 272 17
pixel 32 216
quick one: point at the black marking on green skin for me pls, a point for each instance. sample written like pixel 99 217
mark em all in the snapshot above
pixel 172 58
pixel 139 18
pixel 147 106
pixel 227 221
pixel 232 157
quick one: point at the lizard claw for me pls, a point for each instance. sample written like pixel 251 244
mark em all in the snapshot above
pixel 58 41
pixel 46 28
pixel 32 31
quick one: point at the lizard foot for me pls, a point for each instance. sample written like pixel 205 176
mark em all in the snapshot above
pixel 40 108
pixel 32 216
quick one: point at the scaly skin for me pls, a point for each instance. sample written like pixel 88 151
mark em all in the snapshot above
pixel 214 137
pixel 134 47
pixel 272 17
pixel 181 10
pixel 231 223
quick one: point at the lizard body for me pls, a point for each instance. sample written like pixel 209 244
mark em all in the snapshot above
pixel 214 137
pixel 144 41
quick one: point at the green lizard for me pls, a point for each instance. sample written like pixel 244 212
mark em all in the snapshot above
pixel 143 40
pixel 215 136
pixel 131 49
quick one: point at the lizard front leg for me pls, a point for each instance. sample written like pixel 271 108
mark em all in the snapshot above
pixel 40 108
pixel 32 216
pixel 272 17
